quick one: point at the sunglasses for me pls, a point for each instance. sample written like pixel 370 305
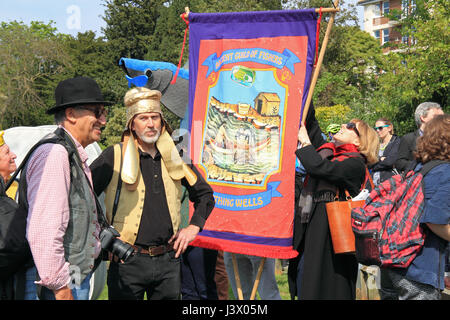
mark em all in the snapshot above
pixel 381 127
pixel 98 112
pixel 352 126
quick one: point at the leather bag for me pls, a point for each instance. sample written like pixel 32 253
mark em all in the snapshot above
pixel 339 218
pixel 339 221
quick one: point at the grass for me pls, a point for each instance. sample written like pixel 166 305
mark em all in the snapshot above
pixel 280 276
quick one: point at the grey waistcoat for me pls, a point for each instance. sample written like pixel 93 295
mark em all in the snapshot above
pixel 79 240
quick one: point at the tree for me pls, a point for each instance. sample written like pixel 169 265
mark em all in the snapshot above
pixel 235 6
pixel 419 71
pixel 167 39
pixel 90 57
pixel 30 56
pixel 346 16
pixel 333 114
pixel 168 36
pixel 350 68
pixel 130 25
pixel 352 61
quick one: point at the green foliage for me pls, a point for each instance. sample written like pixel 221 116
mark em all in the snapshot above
pixel 334 114
pixel 419 71
pixel 168 36
pixel 30 57
pixel 130 25
pixel 350 67
pixel 234 6
pixel 115 126
pixel 167 39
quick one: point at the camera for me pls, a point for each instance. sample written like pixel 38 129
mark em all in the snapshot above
pixel 109 242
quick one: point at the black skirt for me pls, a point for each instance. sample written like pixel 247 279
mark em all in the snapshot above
pixel 324 275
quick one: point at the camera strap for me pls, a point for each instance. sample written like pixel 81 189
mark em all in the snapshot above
pixel 100 215
pixel 119 186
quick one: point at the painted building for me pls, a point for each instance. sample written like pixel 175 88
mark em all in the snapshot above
pixel 267 104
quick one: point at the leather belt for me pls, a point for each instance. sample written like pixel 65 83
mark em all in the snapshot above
pixel 153 251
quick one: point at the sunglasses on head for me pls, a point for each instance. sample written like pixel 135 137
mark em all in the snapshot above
pixel 98 112
pixel 381 127
pixel 352 126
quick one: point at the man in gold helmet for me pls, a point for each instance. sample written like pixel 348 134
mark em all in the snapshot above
pixel 142 178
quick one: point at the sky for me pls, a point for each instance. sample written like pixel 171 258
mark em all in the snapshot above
pixel 69 16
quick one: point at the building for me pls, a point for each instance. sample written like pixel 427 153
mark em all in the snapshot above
pixel 378 24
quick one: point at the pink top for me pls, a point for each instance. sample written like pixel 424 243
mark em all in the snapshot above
pixel 48 179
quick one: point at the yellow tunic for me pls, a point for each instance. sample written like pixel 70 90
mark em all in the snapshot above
pixel 129 209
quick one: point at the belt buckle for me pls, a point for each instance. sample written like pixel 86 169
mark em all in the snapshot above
pixel 150 251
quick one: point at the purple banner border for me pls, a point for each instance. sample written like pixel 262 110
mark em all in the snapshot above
pixel 268 241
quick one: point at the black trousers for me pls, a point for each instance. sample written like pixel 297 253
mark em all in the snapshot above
pixel 159 277
pixel 198 269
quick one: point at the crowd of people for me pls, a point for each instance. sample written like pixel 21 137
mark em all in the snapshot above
pixel 146 193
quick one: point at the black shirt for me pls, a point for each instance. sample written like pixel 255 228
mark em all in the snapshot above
pixel 156 226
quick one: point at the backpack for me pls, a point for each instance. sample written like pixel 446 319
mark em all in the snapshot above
pixel 14 250
pixel 387 228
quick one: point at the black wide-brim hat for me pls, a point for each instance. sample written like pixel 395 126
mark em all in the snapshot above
pixel 77 91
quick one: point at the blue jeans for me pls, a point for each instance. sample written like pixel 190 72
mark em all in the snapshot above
pixel 30 287
pixel 248 269
pixel 79 293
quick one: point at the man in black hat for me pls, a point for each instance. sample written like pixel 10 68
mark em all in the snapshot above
pixel 56 189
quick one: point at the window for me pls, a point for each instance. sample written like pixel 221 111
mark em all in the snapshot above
pixel 408 7
pixel 385 8
pixel 385 35
pixel 405 39
pixel 377 11
pixel 376 34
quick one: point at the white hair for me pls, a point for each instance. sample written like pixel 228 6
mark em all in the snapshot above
pixel 422 111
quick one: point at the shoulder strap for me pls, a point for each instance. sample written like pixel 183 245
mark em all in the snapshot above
pixel 50 138
pixel 117 157
pixel 368 178
pixel 2 187
pixel 430 165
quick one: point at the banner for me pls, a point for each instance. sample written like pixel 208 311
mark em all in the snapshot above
pixel 249 75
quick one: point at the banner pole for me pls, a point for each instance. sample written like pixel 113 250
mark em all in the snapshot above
pixel 237 278
pixel 319 62
pixel 258 277
pixel 329 10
